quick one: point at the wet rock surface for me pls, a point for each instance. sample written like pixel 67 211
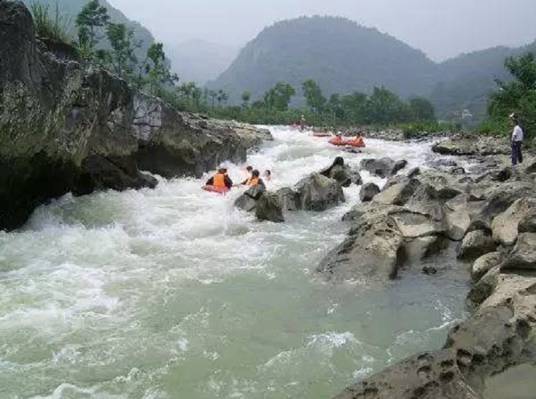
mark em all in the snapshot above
pixel 67 128
pixel 490 213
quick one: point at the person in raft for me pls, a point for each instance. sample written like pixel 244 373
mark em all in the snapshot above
pixel 267 175
pixel 337 140
pixel 253 181
pixel 517 141
pixel 357 141
pixel 220 182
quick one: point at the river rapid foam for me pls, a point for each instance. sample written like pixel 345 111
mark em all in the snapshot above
pixel 173 293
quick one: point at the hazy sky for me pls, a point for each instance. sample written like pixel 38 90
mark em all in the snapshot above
pixel 441 28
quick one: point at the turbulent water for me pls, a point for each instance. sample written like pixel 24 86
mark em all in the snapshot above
pixel 172 293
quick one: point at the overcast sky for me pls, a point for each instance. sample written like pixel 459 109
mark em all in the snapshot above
pixel 441 28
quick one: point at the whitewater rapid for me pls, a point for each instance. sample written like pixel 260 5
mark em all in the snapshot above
pixel 173 293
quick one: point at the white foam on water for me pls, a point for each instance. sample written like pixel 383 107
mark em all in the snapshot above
pixel 172 292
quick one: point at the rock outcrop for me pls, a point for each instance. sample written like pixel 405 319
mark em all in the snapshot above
pixel 494 220
pixel 318 193
pixel 368 192
pixel 67 128
pixel 383 167
pixel 472 145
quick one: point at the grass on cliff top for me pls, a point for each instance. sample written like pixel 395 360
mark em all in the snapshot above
pixel 52 25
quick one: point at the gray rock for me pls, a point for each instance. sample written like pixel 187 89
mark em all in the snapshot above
pixel 505 226
pixel 412 225
pixel 371 251
pixel 318 193
pixel 457 217
pixel 523 256
pixel 269 208
pixel 368 192
pixel 475 244
pixel 528 225
pixel 378 167
pixel 472 145
pixel 485 263
pixel 289 199
pixel 399 193
pixel 398 166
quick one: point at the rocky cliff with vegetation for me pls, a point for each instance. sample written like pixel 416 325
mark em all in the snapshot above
pixel 65 127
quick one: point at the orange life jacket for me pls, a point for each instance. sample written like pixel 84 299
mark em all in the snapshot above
pixel 253 181
pixel 219 180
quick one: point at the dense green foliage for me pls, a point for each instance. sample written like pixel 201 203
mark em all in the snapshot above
pixel 69 10
pixel 515 96
pixel 52 25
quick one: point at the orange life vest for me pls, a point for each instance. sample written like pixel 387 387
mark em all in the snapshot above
pixel 253 181
pixel 219 180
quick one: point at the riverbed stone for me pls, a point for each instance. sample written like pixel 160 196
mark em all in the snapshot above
pixel 505 226
pixel 399 193
pixel 268 208
pixel 368 192
pixel 523 256
pixel 318 193
pixel 475 244
pixel 370 252
pixel 485 263
pixel 378 167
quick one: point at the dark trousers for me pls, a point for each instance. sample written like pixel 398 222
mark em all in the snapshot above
pixel 517 155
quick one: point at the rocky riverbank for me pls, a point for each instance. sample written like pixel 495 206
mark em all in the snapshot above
pixel 66 128
pixel 488 212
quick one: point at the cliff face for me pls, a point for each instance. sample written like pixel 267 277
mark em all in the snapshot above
pixel 66 128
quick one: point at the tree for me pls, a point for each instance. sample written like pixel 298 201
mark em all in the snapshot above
pixel 221 97
pixel 156 69
pixel 421 110
pixel 89 22
pixel 313 96
pixel 213 95
pixel 122 58
pixel 385 107
pixel 518 95
pixel 278 97
pixel 246 97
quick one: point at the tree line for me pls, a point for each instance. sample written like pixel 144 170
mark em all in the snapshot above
pixel 281 104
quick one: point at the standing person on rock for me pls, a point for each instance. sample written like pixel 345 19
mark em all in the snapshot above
pixel 517 141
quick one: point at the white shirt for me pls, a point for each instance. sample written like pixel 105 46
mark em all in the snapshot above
pixel 517 135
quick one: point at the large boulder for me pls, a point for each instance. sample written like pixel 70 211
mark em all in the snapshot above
pixel 472 145
pixel 413 225
pixel 378 167
pixel 289 199
pixel 370 252
pixel 523 256
pixel 368 192
pixel 343 174
pixel 318 193
pixel 485 263
pixel 475 244
pixel 399 193
pixel 269 208
pixel 457 217
pixel 506 225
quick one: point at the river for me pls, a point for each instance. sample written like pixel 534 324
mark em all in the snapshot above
pixel 173 293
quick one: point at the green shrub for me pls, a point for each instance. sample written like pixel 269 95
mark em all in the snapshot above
pixel 53 27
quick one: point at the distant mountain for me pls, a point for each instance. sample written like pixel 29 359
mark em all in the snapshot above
pixel 71 8
pixel 200 61
pixel 339 54
pixel 343 56
pixel 465 82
